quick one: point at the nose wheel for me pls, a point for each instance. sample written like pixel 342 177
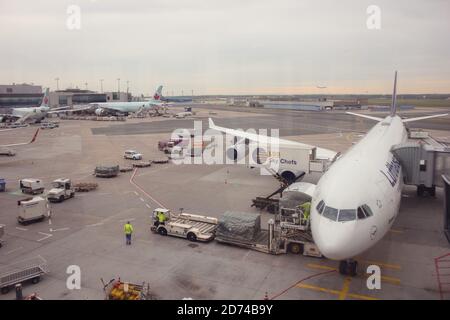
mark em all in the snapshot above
pixel 348 267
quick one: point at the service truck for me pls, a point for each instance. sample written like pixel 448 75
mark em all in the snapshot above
pixel 185 225
pixel 62 189
pixel 31 186
pixel 288 232
pixel 32 210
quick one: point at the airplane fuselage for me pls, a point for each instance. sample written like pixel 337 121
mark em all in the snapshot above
pixel 36 113
pixel 125 107
pixel 360 194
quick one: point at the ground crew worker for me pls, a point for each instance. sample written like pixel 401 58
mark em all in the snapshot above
pixel 306 208
pixel 128 229
pixel 161 218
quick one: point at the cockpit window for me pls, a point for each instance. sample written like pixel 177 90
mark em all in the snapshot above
pixel 320 206
pixel 330 213
pixel 364 212
pixel 347 215
pixel 367 210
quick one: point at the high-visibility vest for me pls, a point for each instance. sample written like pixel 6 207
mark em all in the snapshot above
pixel 128 228
pixel 306 207
pixel 161 217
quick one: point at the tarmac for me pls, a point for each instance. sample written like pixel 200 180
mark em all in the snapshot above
pixel 87 231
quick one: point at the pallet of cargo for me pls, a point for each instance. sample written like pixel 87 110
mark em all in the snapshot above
pixel 126 169
pixel 142 164
pixel 106 171
pixel 120 290
pixel 85 186
pixel 161 161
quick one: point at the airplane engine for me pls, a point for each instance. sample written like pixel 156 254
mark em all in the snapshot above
pixel 100 111
pixel 236 152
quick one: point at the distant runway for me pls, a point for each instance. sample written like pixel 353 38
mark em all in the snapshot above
pixel 289 123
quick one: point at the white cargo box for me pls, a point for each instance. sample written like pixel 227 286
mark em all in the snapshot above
pixel 32 209
pixel 32 186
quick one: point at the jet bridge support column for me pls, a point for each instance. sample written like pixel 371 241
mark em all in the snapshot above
pixel 446 180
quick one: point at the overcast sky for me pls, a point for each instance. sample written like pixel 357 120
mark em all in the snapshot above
pixel 228 46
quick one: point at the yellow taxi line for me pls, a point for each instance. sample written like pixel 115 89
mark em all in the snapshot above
pixel 345 287
pixel 388 279
pixel 335 292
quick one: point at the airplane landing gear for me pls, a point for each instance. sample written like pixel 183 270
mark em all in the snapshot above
pixel 348 267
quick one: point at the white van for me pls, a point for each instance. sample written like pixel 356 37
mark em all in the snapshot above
pixel 133 155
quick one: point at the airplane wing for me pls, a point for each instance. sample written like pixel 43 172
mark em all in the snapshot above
pixel 365 116
pixel 22 143
pixel 66 109
pixel 7 116
pixel 425 117
pixel 321 153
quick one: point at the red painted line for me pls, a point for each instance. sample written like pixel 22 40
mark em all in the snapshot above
pixel 143 191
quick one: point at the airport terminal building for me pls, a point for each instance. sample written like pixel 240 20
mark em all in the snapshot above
pixel 29 95
pixel 20 95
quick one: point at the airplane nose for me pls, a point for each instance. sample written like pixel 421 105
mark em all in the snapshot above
pixel 335 240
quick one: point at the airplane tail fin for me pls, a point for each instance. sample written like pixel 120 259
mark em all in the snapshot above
pixel 394 97
pixel 45 100
pixel 158 93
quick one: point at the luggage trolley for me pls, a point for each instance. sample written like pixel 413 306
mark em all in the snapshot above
pixel 30 269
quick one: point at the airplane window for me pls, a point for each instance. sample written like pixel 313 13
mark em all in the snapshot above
pixel 320 206
pixel 361 214
pixel 330 213
pixel 367 210
pixel 347 215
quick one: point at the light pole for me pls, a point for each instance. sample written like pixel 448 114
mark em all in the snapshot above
pixel 127 89
pixel 86 85
pixel 57 83
pixel 118 85
pixel 101 85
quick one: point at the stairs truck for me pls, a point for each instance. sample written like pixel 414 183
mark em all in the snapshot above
pixel 62 189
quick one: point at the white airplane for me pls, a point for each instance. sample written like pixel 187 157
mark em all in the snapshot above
pixel 19 144
pixel 356 201
pixel 35 114
pixel 104 108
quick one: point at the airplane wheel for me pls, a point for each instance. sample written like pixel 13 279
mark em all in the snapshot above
pixel 343 267
pixel 162 231
pixel 353 266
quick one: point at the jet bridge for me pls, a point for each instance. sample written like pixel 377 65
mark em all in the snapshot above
pixel 446 180
pixel 424 160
